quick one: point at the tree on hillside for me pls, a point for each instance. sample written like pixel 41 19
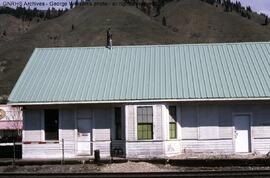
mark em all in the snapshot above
pixel 60 12
pixel 248 16
pixel 228 6
pixel 158 9
pixel 266 20
pixel 164 23
pixel 48 14
pixel 143 6
pixel 76 3
pixel 4 33
pixel 249 9
pixel 71 5
pixel 148 6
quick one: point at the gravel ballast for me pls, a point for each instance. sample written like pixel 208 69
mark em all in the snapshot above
pixel 114 168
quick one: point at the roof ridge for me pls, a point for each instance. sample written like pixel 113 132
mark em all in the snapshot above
pixel 156 45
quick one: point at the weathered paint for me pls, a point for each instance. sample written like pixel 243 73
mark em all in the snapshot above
pixel 35 145
pixel 201 128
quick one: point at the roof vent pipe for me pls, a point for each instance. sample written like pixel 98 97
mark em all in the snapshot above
pixel 109 38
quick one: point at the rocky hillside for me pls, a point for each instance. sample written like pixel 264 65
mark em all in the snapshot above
pixel 188 21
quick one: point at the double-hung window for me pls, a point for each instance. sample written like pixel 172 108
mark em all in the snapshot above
pixel 145 122
pixel 172 122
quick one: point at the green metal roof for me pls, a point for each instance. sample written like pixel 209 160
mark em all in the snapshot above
pixel 146 73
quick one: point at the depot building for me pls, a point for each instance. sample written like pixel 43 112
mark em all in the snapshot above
pixel 148 101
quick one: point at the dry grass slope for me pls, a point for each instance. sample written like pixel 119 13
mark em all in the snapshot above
pixel 189 21
pixel 196 22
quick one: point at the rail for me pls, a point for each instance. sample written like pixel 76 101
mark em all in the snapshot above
pixel 201 174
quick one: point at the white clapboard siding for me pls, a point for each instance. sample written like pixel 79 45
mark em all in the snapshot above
pixel 102 124
pixel 67 125
pixel 208 119
pixel 130 122
pixel 225 132
pixel 157 122
pixel 173 147
pixel 46 151
pixel 261 121
pixel 32 135
pixel 207 146
pixel 225 122
pixel 32 125
pixel 67 131
pixel 67 135
pixel 189 122
pixel 101 134
pixel 147 149
pixel 261 132
pixel 104 148
pixel 203 129
pixel 261 146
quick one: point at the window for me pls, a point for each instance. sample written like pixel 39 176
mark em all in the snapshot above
pixel 51 124
pixel 145 123
pixel 118 123
pixel 172 120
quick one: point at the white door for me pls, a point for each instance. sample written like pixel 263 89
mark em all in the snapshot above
pixel 84 136
pixel 242 133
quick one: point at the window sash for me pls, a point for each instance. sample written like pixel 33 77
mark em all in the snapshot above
pixel 172 113
pixel 145 114
pixel 144 122
pixel 145 131
pixel 173 130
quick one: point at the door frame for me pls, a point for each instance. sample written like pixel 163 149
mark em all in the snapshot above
pixel 76 131
pixel 250 130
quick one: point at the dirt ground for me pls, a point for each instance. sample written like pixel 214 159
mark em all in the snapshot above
pixel 115 167
pixel 218 156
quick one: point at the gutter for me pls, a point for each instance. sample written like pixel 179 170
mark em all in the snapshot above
pixel 137 101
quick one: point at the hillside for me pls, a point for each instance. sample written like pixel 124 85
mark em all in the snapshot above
pixel 188 21
pixel 197 21
pixel 13 27
pixel 129 26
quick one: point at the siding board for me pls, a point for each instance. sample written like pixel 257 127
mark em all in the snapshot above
pixel 208 119
pixel 157 122
pixel 189 122
pixel 32 125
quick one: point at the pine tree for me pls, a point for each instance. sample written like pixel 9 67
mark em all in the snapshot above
pixel 249 9
pixel 48 14
pixel 164 23
pixel 266 20
pixel 71 5
pixel 4 33
pixel 158 9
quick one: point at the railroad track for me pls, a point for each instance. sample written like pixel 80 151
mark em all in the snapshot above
pixel 201 174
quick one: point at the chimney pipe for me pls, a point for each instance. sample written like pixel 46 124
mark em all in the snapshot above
pixel 109 38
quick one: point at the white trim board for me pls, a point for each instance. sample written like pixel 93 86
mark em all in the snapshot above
pixel 140 101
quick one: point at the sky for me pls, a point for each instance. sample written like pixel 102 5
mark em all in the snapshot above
pixel 260 6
